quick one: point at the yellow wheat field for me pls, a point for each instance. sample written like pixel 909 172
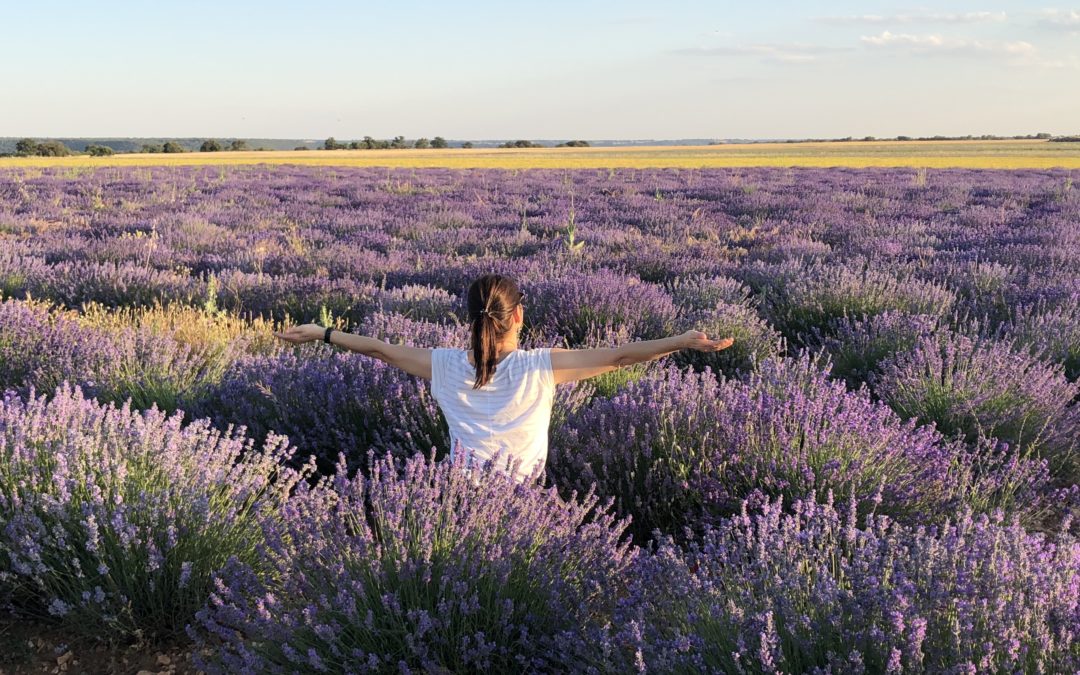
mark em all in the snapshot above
pixel 857 154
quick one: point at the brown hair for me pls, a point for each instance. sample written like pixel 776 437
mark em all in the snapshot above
pixel 492 299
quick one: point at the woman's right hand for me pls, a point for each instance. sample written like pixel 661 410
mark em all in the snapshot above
pixel 301 334
pixel 695 339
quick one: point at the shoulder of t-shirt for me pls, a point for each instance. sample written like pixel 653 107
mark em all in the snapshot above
pixel 440 357
pixel 541 361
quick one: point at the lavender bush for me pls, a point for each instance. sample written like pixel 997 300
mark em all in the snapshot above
pixel 575 305
pixel 328 402
pixel 422 302
pixel 813 298
pixel 681 450
pixel 40 349
pixel 702 292
pixel 974 388
pixel 755 340
pixel 401 329
pixel 112 522
pixel 813 592
pixel 1050 332
pixel 426 570
pixel 857 347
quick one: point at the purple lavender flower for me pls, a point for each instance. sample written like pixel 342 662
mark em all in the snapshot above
pixel 90 493
pixel 464 572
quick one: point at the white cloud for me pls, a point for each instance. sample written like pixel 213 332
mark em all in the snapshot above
pixel 1018 53
pixel 887 39
pixel 777 53
pixel 939 44
pixel 873 19
pixel 1061 19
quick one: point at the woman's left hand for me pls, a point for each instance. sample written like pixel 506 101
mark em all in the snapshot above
pixel 301 334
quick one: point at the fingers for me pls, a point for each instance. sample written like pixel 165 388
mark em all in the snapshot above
pixel 291 334
pixel 715 345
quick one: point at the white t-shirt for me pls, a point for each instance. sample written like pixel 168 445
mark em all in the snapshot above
pixel 512 411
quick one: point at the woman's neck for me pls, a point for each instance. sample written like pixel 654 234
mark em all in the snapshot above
pixel 501 349
pixel 507 346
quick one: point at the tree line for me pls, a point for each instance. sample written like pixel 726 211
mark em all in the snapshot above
pixel 399 142
pixel 28 147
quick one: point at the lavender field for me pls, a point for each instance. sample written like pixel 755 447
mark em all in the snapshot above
pixel 881 475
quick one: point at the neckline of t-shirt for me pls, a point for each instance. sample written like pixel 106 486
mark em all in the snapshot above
pixel 465 357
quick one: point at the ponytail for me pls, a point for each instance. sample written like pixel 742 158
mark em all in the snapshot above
pixel 484 348
pixel 492 299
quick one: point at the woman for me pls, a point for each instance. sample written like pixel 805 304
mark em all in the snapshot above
pixel 496 396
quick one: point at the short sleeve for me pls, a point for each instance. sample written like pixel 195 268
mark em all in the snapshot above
pixel 547 372
pixel 438 371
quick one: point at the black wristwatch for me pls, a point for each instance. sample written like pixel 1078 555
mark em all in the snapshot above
pixel 326 335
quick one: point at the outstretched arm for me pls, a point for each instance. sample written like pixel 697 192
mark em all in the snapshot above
pixel 413 360
pixel 578 364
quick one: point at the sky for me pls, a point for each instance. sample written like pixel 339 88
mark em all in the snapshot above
pixel 537 70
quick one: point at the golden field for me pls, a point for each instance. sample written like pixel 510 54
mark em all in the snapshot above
pixel 1018 154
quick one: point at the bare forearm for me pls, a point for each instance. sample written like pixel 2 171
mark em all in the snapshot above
pixel 646 350
pixel 358 343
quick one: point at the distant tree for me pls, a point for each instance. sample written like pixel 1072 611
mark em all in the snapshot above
pixel 26 147
pixel 172 147
pixel 422 143
pixel 300 147
pixel 331 144
pixel 238 145
pixel 99 150
pixel 439 142
pixel 151 148
pixel 383 145
pixel 398 142
pixel 869 138
pixel 572 144
pixel 1043 136
pixel 903 138
pixel 355 145
pixel 210 145
pixel 52 149
pixel 520 144
pixel 467 145
pixel 369 143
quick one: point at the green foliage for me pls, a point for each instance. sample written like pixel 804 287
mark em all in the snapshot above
pixel 238 145
pixel 210 145
pixel 521 144
pixel 99 150
pixel 331 144
pixel 27 147
pixel 467 145
pixel 172 147
pixel 422 143
pixel 439 142
pixel 572 244
pixel 210 304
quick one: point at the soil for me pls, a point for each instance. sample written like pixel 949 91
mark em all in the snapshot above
pixel 28 647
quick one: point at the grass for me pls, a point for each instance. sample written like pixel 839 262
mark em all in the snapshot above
pixel 1018 154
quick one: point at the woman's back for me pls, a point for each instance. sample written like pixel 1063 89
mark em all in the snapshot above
pixel 511 412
